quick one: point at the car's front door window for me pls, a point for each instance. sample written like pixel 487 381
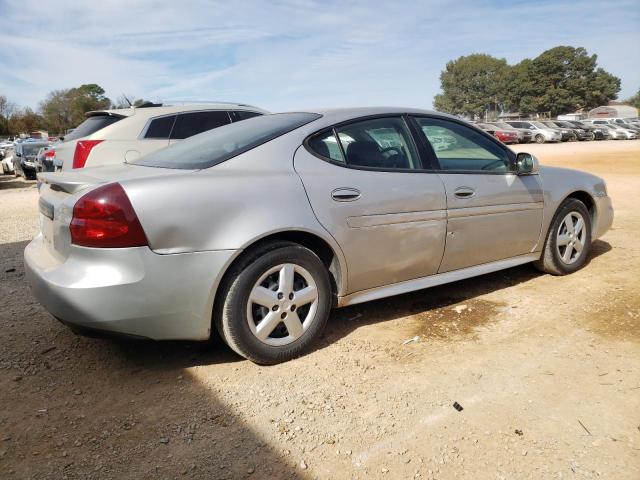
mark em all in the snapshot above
pixel 461 148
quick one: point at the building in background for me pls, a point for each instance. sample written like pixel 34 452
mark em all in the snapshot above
pixel 614 110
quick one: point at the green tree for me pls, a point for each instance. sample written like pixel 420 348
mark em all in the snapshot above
pixel 560 80
pixel 634 101
pixel 64 109
pixel 471 85
pixel 6 109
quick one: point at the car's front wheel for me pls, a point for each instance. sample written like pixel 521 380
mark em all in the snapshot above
pixel 568 241
pixel 539 138
pixel 274 303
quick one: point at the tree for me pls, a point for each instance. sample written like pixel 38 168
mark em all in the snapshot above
pixel 471 85
pixel 6 110
pixel 562 79
pixel 25 121
pixel 635 100
pixel 64 109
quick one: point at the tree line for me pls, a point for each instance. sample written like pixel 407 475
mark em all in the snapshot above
pixel 560 80
pixel 60 111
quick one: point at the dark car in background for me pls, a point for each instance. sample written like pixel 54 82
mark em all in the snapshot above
pixel 24 162
pixel 45 159
pixel 580 133
pixel 598 133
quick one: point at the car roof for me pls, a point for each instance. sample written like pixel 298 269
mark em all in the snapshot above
pixel 168 109
pixel 336 115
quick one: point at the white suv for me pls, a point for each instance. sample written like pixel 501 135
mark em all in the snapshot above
pixel 122 135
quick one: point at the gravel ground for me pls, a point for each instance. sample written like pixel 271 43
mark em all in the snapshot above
pixel 546 369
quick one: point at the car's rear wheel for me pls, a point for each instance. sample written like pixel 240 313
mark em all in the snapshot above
pixel 274 303
pixel 568 241
pixel 539 138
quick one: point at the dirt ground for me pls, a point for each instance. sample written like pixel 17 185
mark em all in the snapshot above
pixel 547 370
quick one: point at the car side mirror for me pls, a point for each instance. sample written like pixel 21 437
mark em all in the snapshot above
pixel 18 154
pixel 526 164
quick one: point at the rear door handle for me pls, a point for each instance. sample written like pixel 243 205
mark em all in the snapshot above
pixel 464 192
pixel 346 194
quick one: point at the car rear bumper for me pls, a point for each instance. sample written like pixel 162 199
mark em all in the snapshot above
pixel 128 291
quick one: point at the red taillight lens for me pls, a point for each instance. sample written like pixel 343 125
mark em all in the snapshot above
pixel 105 218
pixel 50 153
pixel 83 149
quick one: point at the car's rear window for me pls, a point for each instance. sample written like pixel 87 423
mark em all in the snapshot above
pixel 92 125
pixel 215 146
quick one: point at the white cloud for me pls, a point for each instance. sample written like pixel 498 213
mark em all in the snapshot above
pixel 292 54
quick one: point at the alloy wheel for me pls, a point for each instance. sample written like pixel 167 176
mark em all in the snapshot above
pixel 571 237
pixel 282 304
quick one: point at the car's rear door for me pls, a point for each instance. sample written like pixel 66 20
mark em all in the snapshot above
pixel 493 213
pixel 368 189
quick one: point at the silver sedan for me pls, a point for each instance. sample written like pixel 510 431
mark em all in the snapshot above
pixel 257 229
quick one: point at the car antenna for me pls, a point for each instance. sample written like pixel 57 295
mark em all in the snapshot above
pixel 128 101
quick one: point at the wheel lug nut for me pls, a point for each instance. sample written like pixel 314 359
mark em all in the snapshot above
pixel 280 295
pixel 291 296
pixel 293 308
pixel 283 315
pixel 275 308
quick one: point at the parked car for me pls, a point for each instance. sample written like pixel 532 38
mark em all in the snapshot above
pixel 627 133
pixel 541 133
pixel 614 133
pixel 7 160
pixel 524 135
pixel 24 162
pixel 273 221
pixel 597 132
pixel 45 159
pixel 122 135
pixel 505 136
pixel 579 132
pixel 567 133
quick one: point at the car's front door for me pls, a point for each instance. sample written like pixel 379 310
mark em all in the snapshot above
pixel 365 186
pixel 492 212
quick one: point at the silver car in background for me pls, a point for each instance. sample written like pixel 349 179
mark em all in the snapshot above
pixel 540 132
pixel 258 228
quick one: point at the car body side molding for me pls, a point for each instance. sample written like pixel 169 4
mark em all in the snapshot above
pixel 434 280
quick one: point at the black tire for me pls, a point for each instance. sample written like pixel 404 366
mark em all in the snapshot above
pixel 551 262
pixel 539 138
pixel 231 318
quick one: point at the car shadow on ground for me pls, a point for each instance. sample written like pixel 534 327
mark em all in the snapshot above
pixel 345 320
pixel 8 182
pixel 132 407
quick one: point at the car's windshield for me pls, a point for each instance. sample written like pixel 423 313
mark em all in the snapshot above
pixel 506 126
pixel 539 125
pixel 215 146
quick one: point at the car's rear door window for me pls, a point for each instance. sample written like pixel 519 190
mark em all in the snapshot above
pixel 92 125
pixel 160 127
pixel 193 123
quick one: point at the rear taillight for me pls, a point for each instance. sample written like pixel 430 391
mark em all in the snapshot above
pixel 83 149
pixel 105 218
pixel 50 154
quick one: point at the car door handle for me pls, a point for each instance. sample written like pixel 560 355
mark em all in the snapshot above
pixel 464 192
pixel 346 194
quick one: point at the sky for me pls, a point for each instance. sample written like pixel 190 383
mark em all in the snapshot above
pixel 287 55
